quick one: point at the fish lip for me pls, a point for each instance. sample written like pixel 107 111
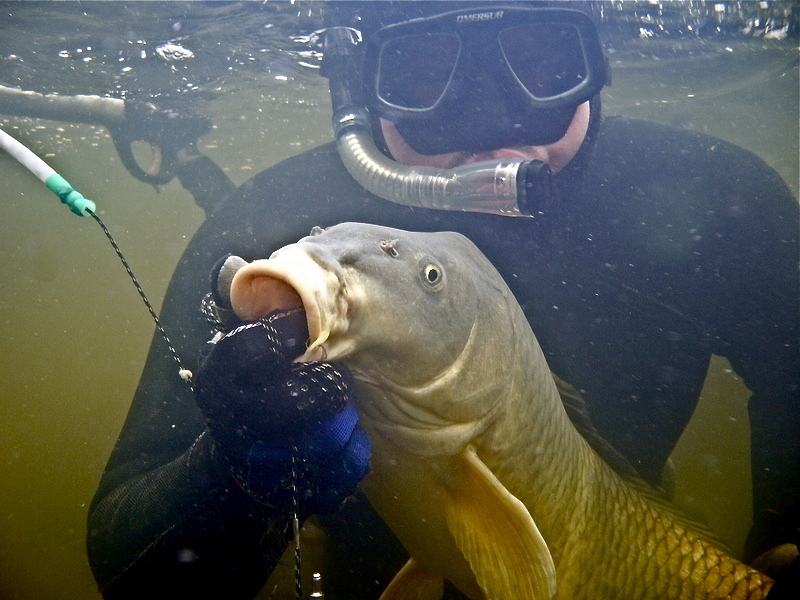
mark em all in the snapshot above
pixel 295 273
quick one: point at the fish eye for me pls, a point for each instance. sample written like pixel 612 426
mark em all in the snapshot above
pixel 432 275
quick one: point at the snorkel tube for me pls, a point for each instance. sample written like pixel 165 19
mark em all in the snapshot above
pixel 511 188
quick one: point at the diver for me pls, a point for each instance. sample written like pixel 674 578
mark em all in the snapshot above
pixel 637 250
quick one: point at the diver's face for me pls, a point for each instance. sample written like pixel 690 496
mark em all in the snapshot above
pixel 484 83
pixel 556 155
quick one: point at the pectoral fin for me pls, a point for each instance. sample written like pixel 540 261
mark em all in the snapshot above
pixel 497 535
pixel 411 582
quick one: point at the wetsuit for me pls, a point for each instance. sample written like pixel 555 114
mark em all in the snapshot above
pixel 659 247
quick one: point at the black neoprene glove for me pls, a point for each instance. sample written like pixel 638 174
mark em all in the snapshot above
pixel 274 420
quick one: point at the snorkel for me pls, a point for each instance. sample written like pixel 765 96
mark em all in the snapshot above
pixel 471 79
pixel 509 187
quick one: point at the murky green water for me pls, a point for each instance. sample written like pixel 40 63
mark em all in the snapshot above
pixel 74 332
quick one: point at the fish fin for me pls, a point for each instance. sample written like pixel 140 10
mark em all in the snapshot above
pixel 412 582
pixel 497 535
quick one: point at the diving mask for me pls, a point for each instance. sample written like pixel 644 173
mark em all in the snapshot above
pixel 476 80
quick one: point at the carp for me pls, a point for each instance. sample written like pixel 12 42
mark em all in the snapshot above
pixel 476 466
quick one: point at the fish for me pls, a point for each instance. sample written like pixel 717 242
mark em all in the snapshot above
pixel 476 466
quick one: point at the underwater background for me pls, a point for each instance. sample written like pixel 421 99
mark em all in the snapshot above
pixel 74 333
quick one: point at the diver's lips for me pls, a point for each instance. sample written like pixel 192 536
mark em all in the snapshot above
pixel 500 154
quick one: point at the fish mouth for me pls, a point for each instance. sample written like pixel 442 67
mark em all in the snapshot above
pixel 291 280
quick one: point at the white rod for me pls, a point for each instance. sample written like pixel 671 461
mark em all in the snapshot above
pixel 27 158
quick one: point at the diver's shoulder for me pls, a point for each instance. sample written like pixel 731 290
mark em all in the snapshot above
pixel 635 146
pixel 314 176
pixel 652 138
pixel 311 164
pixel 309 183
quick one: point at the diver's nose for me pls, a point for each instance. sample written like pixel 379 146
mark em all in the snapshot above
pixel 479 82
pixel 484 103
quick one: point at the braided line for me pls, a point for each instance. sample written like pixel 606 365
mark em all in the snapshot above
pixel 184 373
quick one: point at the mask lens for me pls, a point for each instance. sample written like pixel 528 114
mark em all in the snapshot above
pixel 546 58
pixel 415 70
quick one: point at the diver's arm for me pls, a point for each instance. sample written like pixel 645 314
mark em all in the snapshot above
pixel 150 469
pixel 757 329
pixel 768 360
pixel 775 464
pixel 162 492
pixel 214 519
pixel 184 530
pixel 164 498
pixel 209 524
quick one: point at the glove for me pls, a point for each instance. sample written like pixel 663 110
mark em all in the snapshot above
pixel 277 422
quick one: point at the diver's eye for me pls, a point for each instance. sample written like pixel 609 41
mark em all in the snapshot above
pixel 432 275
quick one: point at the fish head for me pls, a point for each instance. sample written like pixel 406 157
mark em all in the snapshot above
pixel 421 319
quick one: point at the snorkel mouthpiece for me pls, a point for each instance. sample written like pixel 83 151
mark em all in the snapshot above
pixel 511 188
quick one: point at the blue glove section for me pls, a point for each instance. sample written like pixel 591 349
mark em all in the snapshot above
pixel 332 458
pixel 341 478
pixel 328 437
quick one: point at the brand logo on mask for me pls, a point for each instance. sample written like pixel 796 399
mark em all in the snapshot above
pixel 484 16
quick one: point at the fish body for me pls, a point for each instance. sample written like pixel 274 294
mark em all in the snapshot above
pixel 476 466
